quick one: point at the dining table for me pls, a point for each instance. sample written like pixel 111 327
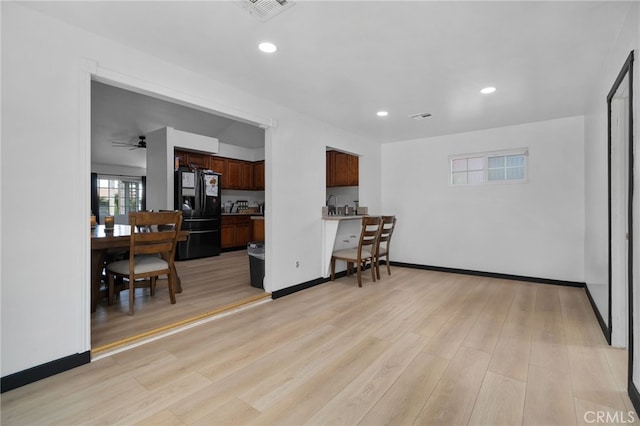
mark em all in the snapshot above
pixel 105 241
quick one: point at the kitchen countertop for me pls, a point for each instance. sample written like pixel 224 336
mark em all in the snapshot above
pixel 342 217
pixel 241 214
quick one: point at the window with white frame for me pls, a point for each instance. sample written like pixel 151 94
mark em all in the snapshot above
pixel 489 167
pixel 467 170
pixel 119 195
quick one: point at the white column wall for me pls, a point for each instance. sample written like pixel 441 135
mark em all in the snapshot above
pixel 45 177
pixel 533 229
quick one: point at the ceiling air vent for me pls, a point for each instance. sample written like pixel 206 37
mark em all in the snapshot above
pixel 266 9
pixel 420 116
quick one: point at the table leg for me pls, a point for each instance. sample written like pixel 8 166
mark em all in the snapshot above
pixel 177 281
pixel 97 263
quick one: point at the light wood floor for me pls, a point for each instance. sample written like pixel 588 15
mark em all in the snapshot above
pixel 208 284
pixel 419 347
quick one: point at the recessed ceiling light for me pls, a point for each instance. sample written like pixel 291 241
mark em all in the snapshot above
pixel 488 90
pixel 382 113
pixel 267 47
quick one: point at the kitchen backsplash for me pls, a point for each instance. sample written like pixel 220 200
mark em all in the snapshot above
pixel 346 195
pixel 253 198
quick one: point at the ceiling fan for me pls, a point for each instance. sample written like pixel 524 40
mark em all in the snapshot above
pixel 142 143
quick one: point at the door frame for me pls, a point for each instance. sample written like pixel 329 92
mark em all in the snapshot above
pixel 90 70
pixel 626 71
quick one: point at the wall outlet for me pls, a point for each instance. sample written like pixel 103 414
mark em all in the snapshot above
pixel 297 263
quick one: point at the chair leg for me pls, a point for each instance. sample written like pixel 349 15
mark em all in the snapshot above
pixel 373 270
pixel 359 274
pixel 377 262
pixel 386 260
pixel 172 288
pixel 349 268
pixel 132 292
pixel 333 269
pixel 152 285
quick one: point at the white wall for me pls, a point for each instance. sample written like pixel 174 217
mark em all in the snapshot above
pixel 45 111
pixel 112 169
pixel 534 229
pixel 159 193
pixel 240 152
pixel 161 146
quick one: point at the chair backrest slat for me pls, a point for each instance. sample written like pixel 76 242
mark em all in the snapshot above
pixel 370 231
pixel 154 233
pixel 386 231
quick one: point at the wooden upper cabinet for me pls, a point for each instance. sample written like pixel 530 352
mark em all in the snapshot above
pixel 183 157
pixel 218 165
pixel 199 160
pixel 234 174
pixel 331 156
pixel 247 175
pixel 258 175
pixel 239 174
pixel 192 159
pixel 354 170
pixel 342 169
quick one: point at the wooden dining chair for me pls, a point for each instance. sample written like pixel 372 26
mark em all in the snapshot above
pixel 384 241
pixel 365 251
pixel 151 253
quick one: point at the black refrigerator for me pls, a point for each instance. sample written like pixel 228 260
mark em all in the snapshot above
pixel 197 194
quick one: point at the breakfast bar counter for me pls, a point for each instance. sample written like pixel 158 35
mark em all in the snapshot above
pixel 338 232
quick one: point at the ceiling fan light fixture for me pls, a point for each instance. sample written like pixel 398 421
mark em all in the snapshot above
pixel 142 143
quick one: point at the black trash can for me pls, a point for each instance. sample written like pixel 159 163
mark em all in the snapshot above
pixel 256 263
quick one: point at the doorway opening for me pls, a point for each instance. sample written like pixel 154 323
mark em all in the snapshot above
pixel 622 297
pixel 211 285
pixel 620 199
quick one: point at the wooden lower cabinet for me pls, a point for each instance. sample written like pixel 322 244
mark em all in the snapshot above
pixel 258 229
pixel 227 235
pixel 236 231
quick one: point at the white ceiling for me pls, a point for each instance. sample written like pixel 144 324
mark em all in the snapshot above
pixel 342 61
pixel 121 115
